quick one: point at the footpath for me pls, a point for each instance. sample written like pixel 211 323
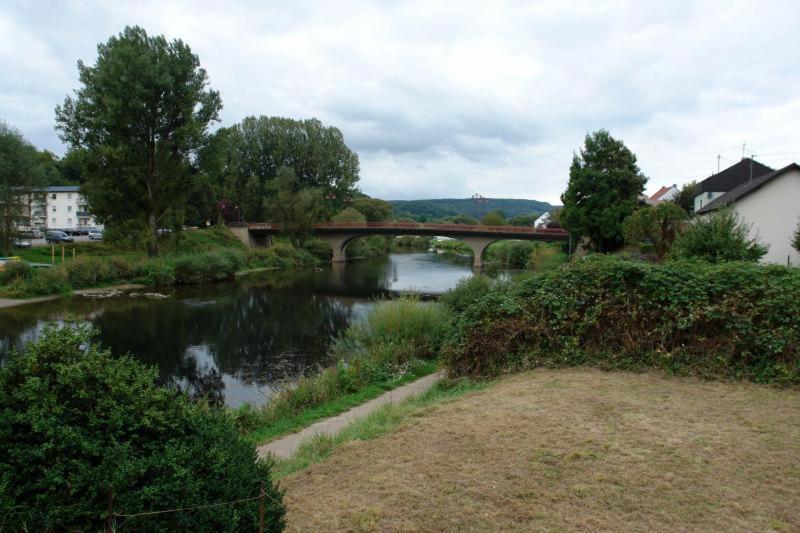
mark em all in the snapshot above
pixel 284 447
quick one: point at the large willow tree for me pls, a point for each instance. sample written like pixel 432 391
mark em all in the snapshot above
pixel 140 116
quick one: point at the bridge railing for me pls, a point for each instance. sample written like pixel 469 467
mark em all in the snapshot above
pixel 456 228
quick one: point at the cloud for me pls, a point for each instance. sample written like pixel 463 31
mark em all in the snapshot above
pixel 449 99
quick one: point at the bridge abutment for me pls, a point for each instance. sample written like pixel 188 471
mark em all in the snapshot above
pixel 244 234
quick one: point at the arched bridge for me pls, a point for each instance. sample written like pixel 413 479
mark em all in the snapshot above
pixel 339 234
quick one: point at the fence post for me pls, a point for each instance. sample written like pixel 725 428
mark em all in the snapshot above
pixel 73 252
pixel 53 254
pixel 261 508
pixel 110 515
pixel 62 253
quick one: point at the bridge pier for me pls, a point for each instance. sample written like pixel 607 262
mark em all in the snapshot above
pixel 478 245
pixel 338 244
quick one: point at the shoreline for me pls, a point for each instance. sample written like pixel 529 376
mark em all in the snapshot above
pixel 6 303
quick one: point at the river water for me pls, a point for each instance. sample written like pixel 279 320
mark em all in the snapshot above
pixel 238 340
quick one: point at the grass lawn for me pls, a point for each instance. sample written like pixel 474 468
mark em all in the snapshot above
pixel 572 449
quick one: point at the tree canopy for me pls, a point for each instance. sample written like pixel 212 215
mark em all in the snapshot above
pixel 796 238
pixel 604 187
pixel 659 223
pixel 20 169
pixel 494 218
pixel 140 116
pixel 296 209
pixel 250 154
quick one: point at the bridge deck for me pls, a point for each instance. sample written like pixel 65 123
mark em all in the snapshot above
pixel 399 228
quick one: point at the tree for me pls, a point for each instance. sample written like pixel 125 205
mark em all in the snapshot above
pixel 374 209
pixel 796 238
pixel 604 188
pixel 685 197
pixel 141 115
pixel 494 218
pixel 722 236
pixel 659 223
pixel 77 422
pixel 259 146
pixel 349 214
pixel 463 219
pixel 295 209
pixel 523 220
pixel 19 171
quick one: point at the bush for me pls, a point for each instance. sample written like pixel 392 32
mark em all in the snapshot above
pixel 516 254
pixel 209 266
pixel 76 422
pixel 89 272
pixel 736 320
pixel 466 292
pixel 13 270
pixel 718 237
pixel 44 281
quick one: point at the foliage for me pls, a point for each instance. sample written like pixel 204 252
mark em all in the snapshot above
pixel 373 209
pixel 659 223
pixel 77 422
pixel 19 172
pixel 721 236
pixel 254 151
pixel 685 197
pixel 140 116
pixel 462 219
pixel 604 188
pixel 494 218
pixel 440 209
pixel 523 220
pixel 349 214
pixel 466 292
pixel 412 241
pixel 13 270
pixel 295 209
pixel 514 254
pixel 732 320
pixel 796 238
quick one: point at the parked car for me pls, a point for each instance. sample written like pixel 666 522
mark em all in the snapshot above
pixel 22 243
pixel 57 236
pixel 31 234
pixel 95 235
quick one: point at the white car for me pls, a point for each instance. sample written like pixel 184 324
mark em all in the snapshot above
pixel 95 235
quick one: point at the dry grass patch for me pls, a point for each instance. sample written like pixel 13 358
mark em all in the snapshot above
pixel 566 450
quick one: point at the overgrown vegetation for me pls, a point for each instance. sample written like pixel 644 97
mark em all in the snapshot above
pixel 730 320
pixel 721 236
pixel 193 257
pixel 398 340
pixel 77 423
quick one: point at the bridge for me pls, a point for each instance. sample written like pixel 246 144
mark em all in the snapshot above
pixel 339 234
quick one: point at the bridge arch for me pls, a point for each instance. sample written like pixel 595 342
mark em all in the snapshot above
pixel 339 244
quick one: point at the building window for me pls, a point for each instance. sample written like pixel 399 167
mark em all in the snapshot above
pixel 53 221
pixel 54 209
pixel 708 195
pixel 69 196
pixel 69 209
pixel 69 222
pixel 53 196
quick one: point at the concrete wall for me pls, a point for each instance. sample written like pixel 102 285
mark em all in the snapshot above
pixel 774 212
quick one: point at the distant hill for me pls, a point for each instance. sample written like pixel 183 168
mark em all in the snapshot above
pixel 448 207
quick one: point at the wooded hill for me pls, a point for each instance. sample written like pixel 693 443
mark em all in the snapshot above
pixel 434 209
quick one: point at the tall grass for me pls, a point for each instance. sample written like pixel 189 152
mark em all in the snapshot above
pixel 395 344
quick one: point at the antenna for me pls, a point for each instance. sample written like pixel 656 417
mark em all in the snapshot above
pixel 752 156
pixel 718 158
pixel 744 144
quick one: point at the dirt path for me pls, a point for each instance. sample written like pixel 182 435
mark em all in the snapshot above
pixel 10 302
pixel 572 449
pixel 286 446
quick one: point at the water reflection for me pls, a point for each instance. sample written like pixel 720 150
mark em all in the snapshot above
pixel 234 342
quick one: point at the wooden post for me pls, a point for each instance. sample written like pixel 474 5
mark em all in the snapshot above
pixel 63 253
pixel 52 254
pixel 261 508
pixel 73 252
pixel 110 512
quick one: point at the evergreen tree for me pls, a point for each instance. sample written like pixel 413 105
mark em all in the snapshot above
pixel 605 184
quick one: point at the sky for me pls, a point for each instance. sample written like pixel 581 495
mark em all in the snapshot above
pixel 450 99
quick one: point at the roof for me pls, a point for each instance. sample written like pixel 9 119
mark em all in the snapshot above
pixel 59 188
pixel 661 192
pixel 733 176
pixel 746 188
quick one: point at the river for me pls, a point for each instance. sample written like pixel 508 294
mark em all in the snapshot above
pixel 239 340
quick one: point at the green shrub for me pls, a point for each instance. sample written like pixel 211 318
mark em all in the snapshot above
pixel 76 422
pixel 44 281
pixel 466 292
pixel 718 237
pixel 89 272
pixel 13 270
pixel 738 320
pixel 515 254
pixel 155 272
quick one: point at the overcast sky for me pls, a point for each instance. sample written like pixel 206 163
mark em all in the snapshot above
pixel 448 99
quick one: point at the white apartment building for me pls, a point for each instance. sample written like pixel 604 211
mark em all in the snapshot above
pixel 57 207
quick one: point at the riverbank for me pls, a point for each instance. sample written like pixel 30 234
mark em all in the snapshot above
pixel 8 302
pixel 565 449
